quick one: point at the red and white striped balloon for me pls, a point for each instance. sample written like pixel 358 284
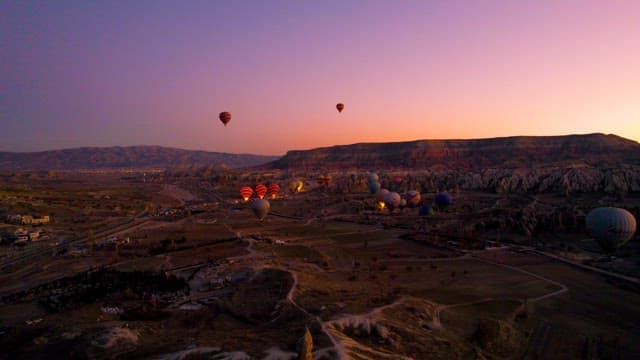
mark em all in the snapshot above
pixel 246 192
pixel 261 191
pixel 274 190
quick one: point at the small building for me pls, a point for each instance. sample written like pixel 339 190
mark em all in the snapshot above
pixel 14 219
pixel 21 235
pixel 43 220
pixel 35 235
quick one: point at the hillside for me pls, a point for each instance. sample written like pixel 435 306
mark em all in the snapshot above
pixel 124 157
pixel 506 152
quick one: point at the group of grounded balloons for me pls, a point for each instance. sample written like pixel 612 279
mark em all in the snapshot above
pixel 225 116
pixel 611 227
pixel 261 206
pixel 411 199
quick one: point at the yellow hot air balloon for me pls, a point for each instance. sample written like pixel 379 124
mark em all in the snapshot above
pixel 296 186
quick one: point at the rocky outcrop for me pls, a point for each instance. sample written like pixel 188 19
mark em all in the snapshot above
pixel 124 157
pixel 567 180
pixel 475 154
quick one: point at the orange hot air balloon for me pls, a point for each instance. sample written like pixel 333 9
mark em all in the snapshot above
pixel 225 117
pixel 273 190
pixel 246 192
pixel 340 107
pixel 261 191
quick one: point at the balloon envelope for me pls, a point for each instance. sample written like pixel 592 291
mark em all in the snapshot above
pixel 295 186
pixel 413 198
pixel 225 117
pixel 392 200
pixel 261 191
pixel 260 208
pixel 443 199
pixel 340 107
pixel 381 194
pixel 425 210
pixel 273 190
pixel 374 187
pixel 611 227
pixel 246 192
pixel 372 177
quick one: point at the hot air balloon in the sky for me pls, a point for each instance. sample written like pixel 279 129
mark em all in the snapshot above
pixel 413 198
pixel 260 208
pixel 340 107
pixel 273 190
pixel 443 200
pixel 392 200
pixel 225 117
pixel 611 227
pixel 261 191
pixel 246 192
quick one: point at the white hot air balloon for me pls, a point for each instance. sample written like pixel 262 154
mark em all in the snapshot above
pixel 392 200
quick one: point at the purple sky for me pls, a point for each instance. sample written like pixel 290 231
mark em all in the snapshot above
pixel 83 73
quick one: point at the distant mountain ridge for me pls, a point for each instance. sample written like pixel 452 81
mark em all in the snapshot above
pixel 503 152
pixel 125 157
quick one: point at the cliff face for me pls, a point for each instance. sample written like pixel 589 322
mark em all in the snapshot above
pixel 508 152
pixel 124 157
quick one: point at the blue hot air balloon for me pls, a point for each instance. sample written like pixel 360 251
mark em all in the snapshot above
pixel 425 210
pixel 374 187
pixel 443 200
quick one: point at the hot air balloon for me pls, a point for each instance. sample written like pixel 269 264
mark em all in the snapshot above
pixel 392 200
pixel 413 198
pixel 403 203
pixel 381 194
pixel 273 190
pixel 340 107
pixel 374 187
pixel 295 186
pixel 261 191
pixel 611 227
pixel 443 200
pixel 246 192
pixel 425 210
pixel 260 208
pixel 225 117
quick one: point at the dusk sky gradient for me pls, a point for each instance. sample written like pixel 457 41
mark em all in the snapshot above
pixel 102 73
